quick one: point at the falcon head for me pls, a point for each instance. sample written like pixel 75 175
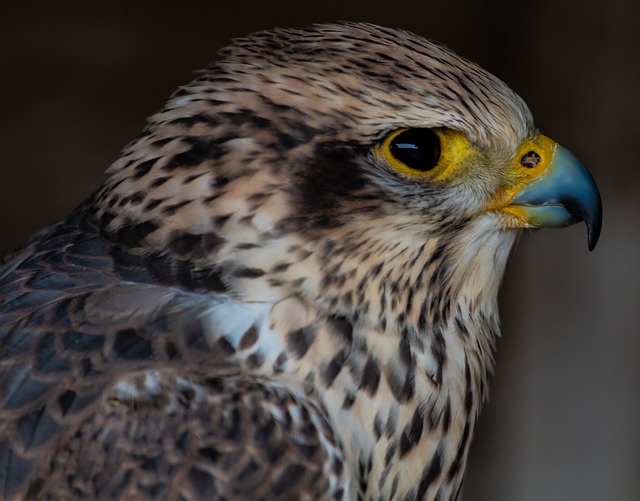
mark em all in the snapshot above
pixel 305 243
pixel 365 169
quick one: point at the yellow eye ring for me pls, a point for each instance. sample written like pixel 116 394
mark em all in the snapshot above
pixel 433 154
pixel 413 152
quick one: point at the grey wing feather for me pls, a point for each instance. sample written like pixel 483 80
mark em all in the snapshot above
pixel 74 333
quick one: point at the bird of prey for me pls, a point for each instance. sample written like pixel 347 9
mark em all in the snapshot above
pixel 287 287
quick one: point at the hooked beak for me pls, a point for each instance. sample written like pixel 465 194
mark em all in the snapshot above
pixel 558 192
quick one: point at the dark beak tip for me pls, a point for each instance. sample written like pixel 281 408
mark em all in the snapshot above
pixel 586 205
pixel 589 210
pixel 593 229
pixel 594 222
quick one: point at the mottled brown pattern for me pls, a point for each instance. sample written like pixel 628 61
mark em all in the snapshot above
pixel 255 305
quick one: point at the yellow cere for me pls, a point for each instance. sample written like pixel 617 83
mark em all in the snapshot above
pixel 519 175
pixel 455 149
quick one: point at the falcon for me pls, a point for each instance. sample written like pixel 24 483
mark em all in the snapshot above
pixel 287 286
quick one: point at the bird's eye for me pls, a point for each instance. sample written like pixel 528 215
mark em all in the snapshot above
pixel 412 151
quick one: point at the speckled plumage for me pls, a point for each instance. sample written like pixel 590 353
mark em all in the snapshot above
pixel 255 306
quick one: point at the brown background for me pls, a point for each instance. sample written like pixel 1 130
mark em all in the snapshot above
pixel 78 78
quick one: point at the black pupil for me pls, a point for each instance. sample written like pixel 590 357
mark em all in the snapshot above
pixel 417 148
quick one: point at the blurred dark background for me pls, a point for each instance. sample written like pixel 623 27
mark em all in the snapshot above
pixel 78 78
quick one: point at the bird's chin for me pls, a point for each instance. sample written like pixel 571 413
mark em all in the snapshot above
pixel 511 219
pixel 542 216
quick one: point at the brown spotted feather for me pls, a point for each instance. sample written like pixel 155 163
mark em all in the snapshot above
pixel 253 306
